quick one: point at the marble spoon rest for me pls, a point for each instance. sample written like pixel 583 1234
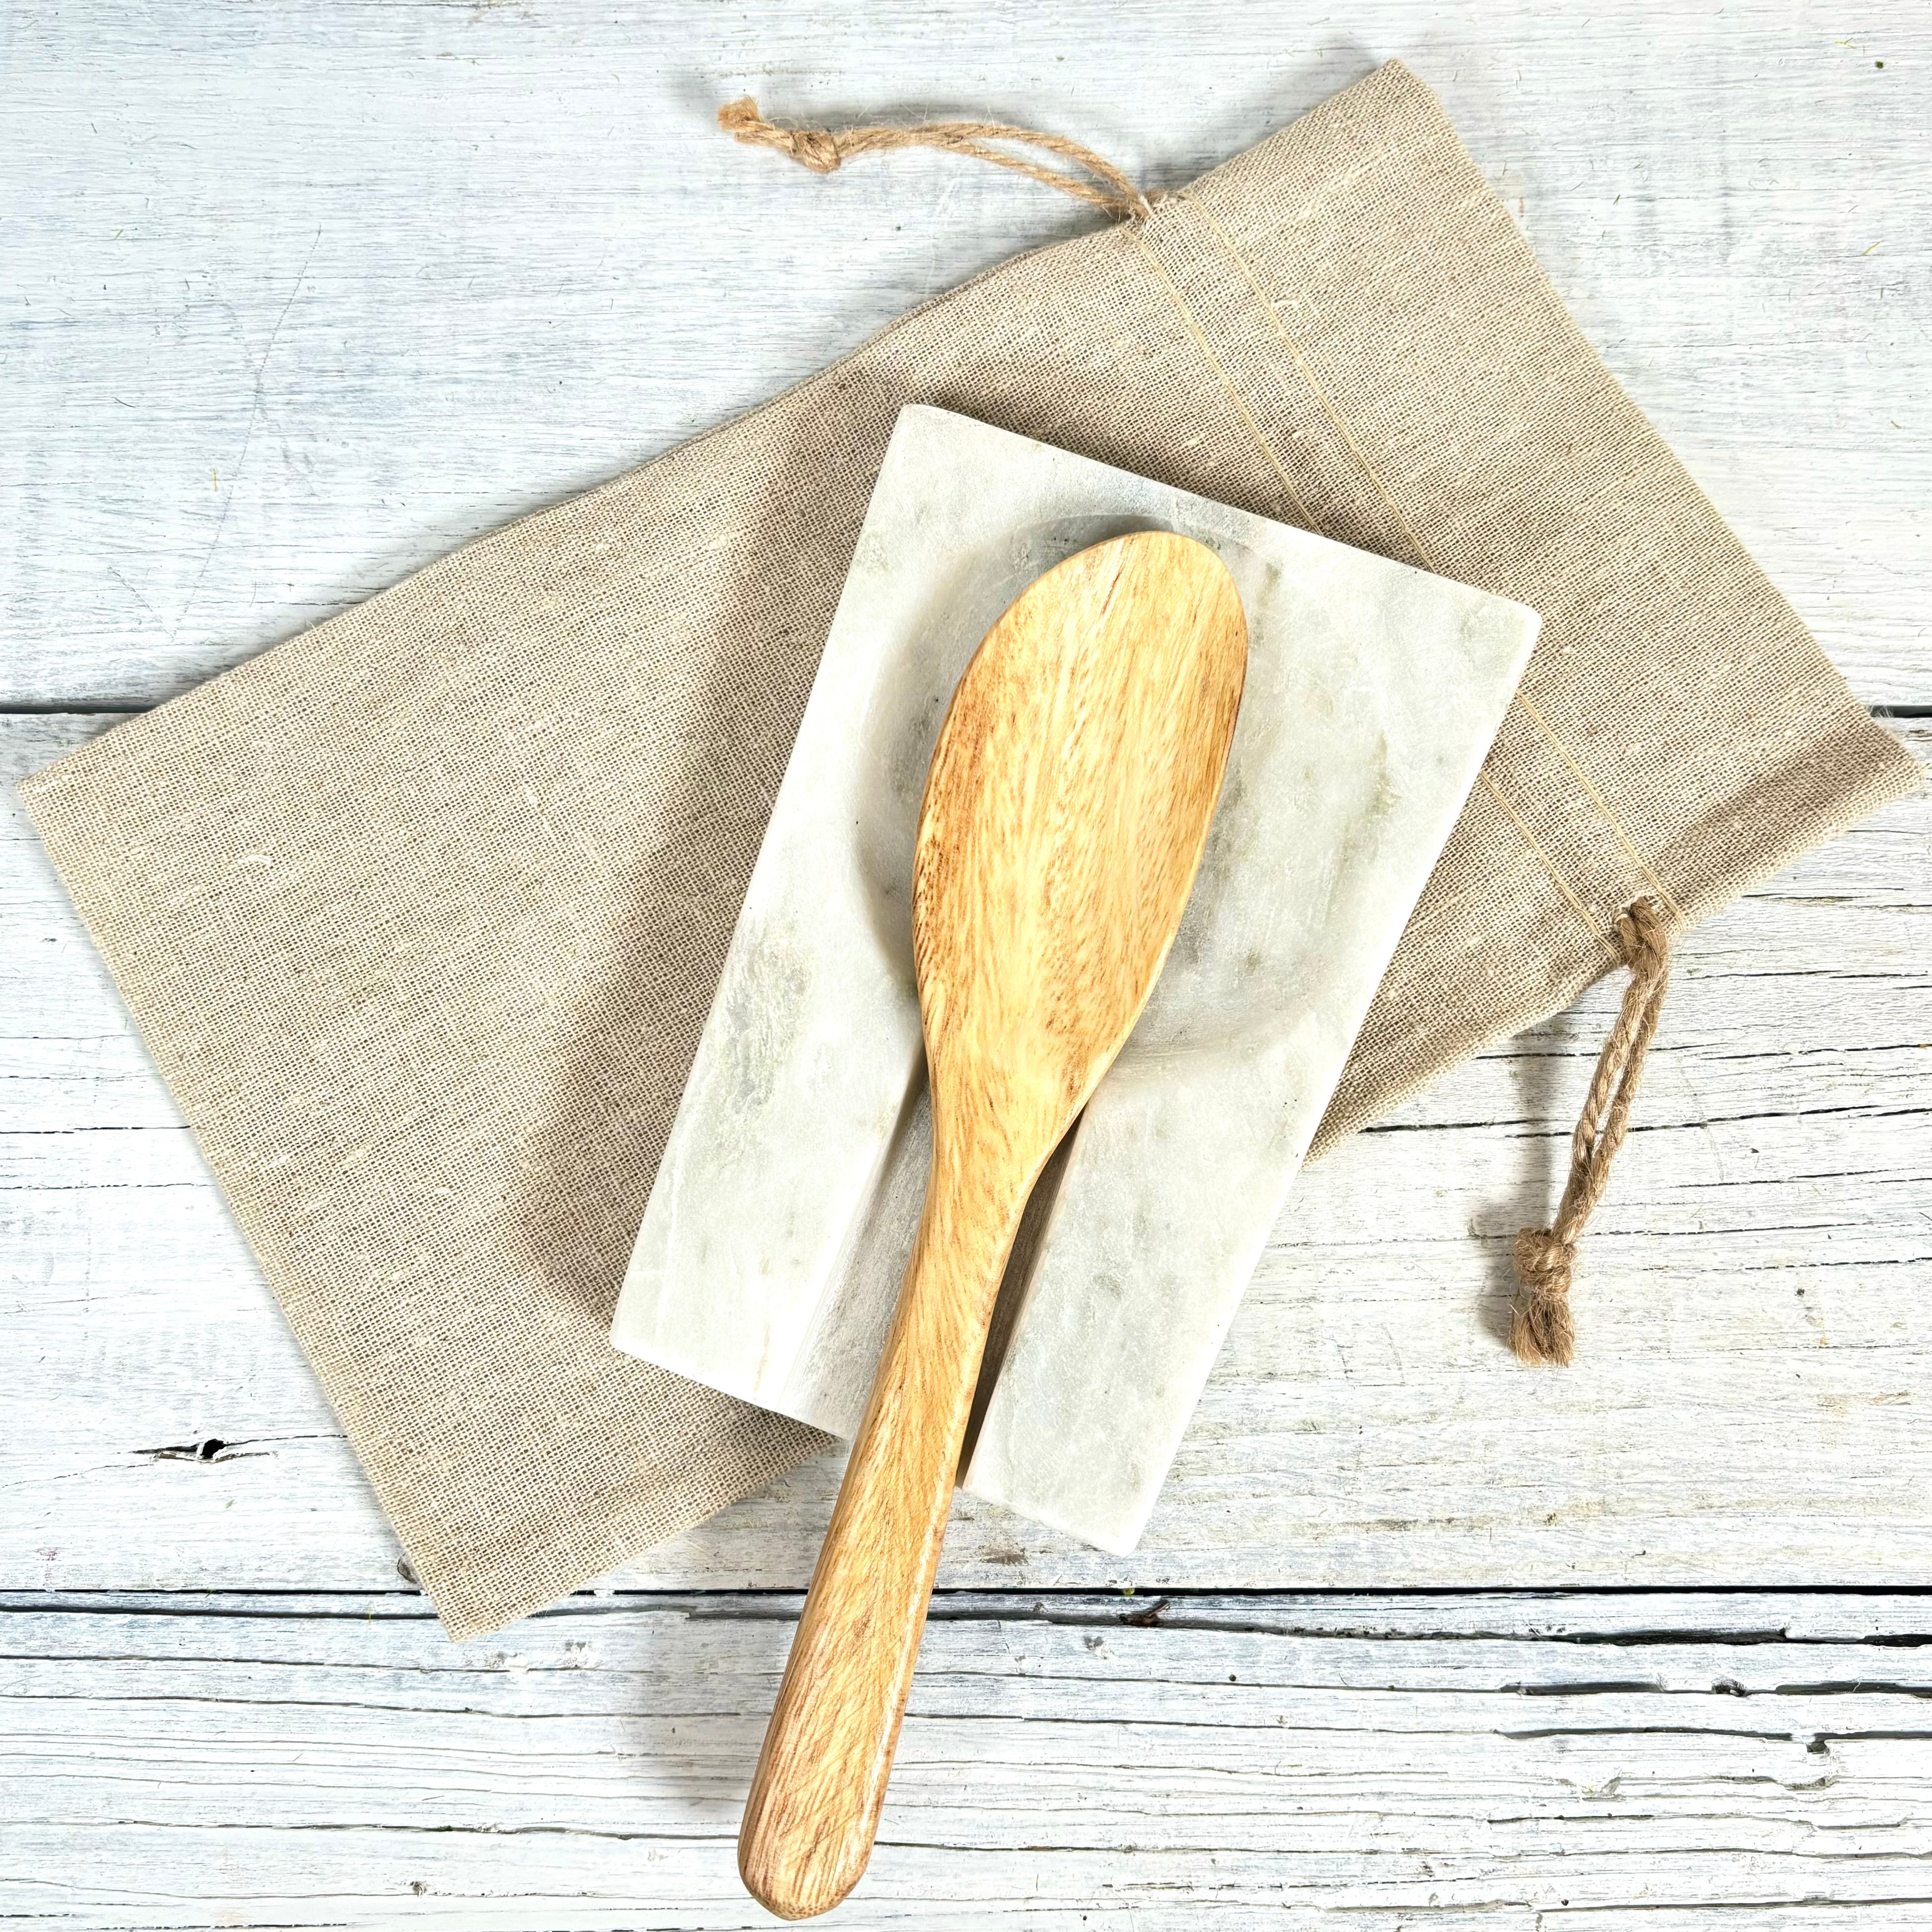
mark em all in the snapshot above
pixel 783 1212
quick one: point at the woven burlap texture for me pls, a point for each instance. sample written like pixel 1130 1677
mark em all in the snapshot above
pixel 420 913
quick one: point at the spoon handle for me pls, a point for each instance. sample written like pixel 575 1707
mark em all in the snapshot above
pixel 813 1808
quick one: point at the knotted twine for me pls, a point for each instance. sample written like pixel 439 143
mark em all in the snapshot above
pixel 1540 1327
pixel 824 152
pixel 1540 1330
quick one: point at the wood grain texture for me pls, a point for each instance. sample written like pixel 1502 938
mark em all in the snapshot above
pixel 1064 817
pixel 1589 1764
pixel 1748 1406
pixel 328 291
pixel 295 299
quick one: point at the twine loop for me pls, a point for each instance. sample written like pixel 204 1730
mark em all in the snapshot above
pixel 1541 1329
pixel 824 151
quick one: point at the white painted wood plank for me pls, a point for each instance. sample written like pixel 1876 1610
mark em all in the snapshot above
pixel 1756 1329
pixel 333 1761
pixel 295 301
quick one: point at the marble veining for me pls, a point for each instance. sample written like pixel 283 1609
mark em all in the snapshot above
pixel 782 1213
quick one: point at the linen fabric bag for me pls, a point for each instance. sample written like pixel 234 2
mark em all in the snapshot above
pixel 420 913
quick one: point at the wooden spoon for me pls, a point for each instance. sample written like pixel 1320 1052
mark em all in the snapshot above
pixel 1064 818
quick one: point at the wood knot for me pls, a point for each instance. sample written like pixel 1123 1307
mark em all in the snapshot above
pixel 1539 1328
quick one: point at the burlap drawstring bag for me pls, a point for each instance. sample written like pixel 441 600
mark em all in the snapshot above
pixel 420 913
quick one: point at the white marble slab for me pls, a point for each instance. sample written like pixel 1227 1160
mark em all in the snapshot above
pixel 781 1219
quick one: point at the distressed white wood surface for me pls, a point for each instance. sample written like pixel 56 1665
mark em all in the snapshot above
pixel 1750 1405
pixel 291 300
pixel 298 298
pixel 1598 1763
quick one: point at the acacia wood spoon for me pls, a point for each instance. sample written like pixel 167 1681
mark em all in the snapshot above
pixel 1065 814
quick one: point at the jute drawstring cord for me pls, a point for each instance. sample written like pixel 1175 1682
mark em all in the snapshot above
pixel 1540 1330
pixel 824 151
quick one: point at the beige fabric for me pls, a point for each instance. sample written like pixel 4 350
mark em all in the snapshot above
pixel 420 913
